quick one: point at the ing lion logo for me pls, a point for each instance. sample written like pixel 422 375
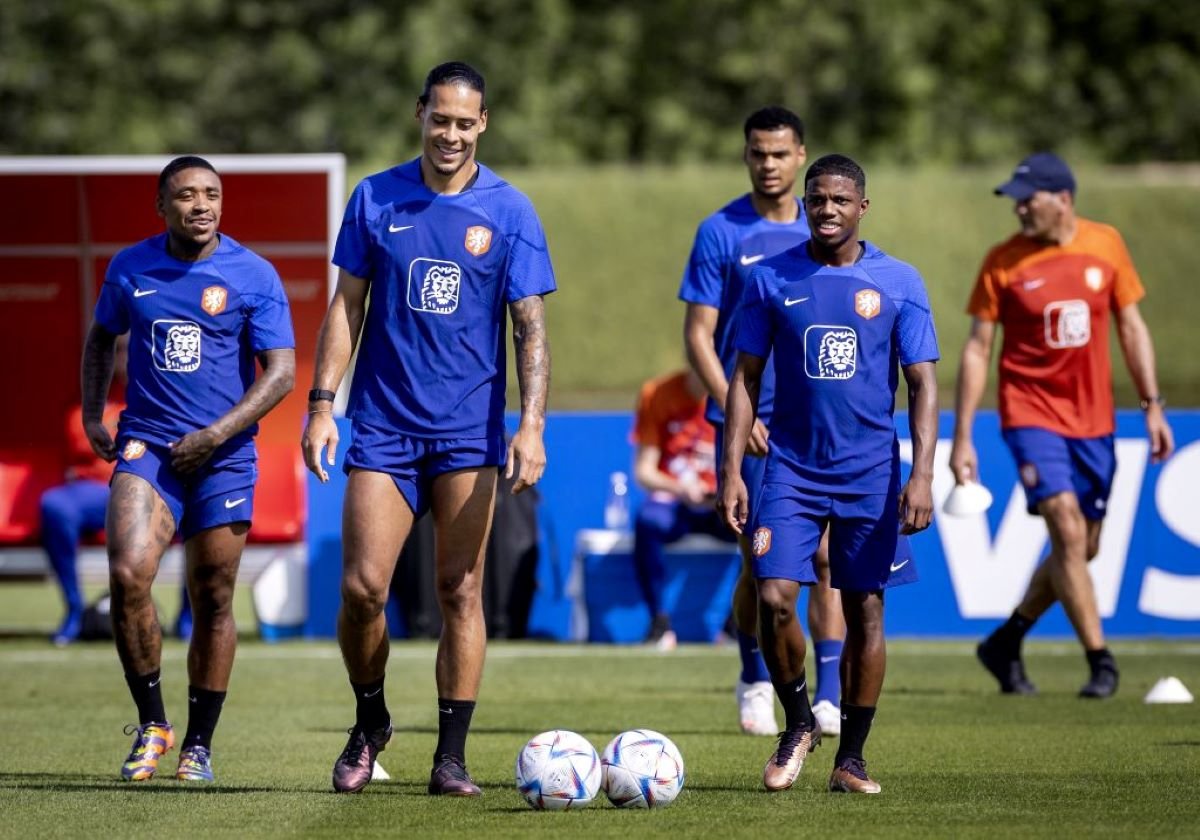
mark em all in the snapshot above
pixel 213 300
pixel 439 290
pixel 835 359
pixel 134 449
pixel 478 240
pixel 181 350
pixel 866 303
pixel 761 543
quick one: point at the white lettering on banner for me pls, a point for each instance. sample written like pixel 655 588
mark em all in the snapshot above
pixel 989 576
pixel 1165 594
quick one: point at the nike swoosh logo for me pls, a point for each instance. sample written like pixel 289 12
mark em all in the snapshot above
pixel 373 693
pixel 192 699
pixel 787 301
pixel 752 260
pixel 825 659
pixel 156 682
pixel 398 228
pixel 1030 285
pixel 143 292
pixel 445 711
pixel 898 566
pixel 232 503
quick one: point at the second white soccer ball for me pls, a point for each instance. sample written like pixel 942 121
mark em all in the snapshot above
pixel 558 770
pixel 642 769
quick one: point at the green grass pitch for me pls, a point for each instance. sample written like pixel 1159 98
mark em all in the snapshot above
pixel 955 758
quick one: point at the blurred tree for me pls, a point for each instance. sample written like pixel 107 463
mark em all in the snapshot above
pixel 605 80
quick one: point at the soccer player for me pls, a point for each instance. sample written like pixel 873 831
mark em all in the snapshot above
pixel 729 243
pixel 837 315
pixel 200 309
pixel 1051 287
pixel 442 244
pixel 675 463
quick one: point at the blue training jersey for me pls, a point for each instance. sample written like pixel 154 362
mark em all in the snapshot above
pixel 442 268
pixel 838 336
pixel 729 244
pixel 195 328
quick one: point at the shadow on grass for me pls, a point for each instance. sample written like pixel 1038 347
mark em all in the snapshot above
pixel 85 783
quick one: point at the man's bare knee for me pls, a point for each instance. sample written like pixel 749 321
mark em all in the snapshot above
pixel 362 599
pixel 777 599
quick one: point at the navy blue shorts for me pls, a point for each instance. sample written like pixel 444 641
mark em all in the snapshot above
pixel 866 550
pixel 219 492
pixel 753 470
pixel 413 463
pixel 1049 463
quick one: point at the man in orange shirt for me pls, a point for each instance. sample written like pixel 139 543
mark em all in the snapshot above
pixel 1051 287
pixel 676 464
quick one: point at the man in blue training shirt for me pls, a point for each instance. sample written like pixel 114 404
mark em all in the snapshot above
pixel 729 243
pixel 200 309
pixel 838 316
pixel 442 244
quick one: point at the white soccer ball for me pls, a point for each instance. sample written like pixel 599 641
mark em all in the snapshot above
pixel 558 770
pixel 642 769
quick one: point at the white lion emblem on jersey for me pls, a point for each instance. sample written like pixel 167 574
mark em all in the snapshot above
pixel 836 351
pixel 434 285
pixel 177 346
pixel 1068 324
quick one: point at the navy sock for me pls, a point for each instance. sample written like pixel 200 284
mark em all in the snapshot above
pixel 454 720
pixel 793 696
pixel 856 725
pixel 147 695
pixel 204 710
pixel 371 712
pixel 829 678
pixel 754 669
pixel 1101 658
pixel 1011 633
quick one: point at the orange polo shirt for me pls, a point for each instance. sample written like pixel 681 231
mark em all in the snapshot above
pixel 1053 303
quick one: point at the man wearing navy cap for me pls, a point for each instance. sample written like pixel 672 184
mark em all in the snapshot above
pixel 1051 287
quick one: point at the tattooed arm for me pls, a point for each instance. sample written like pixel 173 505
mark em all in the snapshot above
pixel 527 451
pixel 96 376
pixel 279 375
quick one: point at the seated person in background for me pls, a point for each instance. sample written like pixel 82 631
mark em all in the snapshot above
pixel 77 507
pixel 675 464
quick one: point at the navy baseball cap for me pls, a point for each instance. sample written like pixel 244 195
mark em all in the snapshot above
pixel 1039 171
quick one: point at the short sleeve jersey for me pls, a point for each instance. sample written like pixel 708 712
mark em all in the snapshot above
pixel 442 268
pixel 671 419
pixel 728 245
pixel 1053 303
pixel 195 328
pixel 838 336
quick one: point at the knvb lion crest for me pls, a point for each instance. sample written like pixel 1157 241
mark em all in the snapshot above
pixel 866 303
pixel 213 300
pixel 134 449
pixel 1093 277
pixel 478 240
pixel 761 543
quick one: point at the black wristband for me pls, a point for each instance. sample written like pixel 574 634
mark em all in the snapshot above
pixel 317 395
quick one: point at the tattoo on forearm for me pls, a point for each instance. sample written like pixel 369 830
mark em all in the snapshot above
pixel 533 354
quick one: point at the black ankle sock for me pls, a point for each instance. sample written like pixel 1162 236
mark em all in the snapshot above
pixel 454 719
pixel 1101 658
pixel 371 712
pixel 856 725
pixel 793 696
pixel 147 694
pixel 1012 632
pixel 204 710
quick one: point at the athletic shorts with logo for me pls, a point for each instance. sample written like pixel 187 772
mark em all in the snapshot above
pixel 219 492
pixel 413 463
pixel 1049 463
pixel 867 552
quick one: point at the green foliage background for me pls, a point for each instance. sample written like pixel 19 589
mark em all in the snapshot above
pixel 606 80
